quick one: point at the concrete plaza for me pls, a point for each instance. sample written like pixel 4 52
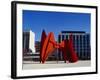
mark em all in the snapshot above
pixel 54 64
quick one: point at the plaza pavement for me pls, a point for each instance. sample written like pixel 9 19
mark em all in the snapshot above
pixel 54 64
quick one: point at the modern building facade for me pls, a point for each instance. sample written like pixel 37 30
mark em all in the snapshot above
pixel 29 42
pixel 81 43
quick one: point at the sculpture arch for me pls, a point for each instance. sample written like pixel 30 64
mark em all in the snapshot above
pixel 48 44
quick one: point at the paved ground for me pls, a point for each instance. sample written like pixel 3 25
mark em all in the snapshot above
pixel 54 64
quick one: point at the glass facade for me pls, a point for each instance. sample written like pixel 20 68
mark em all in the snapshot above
pixel 25 42
pixel 81 43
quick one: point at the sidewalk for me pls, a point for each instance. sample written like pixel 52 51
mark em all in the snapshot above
pixel 54 64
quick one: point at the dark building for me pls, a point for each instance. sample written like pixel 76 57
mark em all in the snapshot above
pixel 25 42
pixel 81 43
pixel 37 46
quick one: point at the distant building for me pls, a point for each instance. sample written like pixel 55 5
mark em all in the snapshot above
pixel 37 46
pixel 29 42
pixel 81 41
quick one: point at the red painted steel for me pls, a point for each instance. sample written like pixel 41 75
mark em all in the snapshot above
pixel 48 45
pixel 43 37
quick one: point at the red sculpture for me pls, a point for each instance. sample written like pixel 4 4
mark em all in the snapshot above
pixel 48 45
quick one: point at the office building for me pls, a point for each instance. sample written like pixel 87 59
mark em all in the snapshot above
pixel 28 42
pixel 81 43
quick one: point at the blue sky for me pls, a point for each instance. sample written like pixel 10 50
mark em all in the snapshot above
pixel 55 22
